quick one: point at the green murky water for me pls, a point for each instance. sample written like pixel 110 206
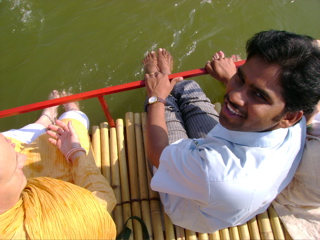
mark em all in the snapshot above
pixel 82 45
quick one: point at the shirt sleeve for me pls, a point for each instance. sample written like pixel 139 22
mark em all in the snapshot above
pixel 86 174
pixel 182 172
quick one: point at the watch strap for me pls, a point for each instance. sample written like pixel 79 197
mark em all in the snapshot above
pixel 158 100
pixel 161 100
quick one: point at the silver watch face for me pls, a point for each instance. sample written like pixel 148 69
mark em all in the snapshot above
pixel 152 100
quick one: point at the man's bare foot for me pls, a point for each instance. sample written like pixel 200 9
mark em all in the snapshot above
pixel 71 106
pixel 221 68
pixel 220 55
pixel 236 58
pixel 150 63
pixel 49 114
pixel 165 61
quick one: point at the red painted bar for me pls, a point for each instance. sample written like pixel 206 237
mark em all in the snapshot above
pixel 97 93
pixel 106 111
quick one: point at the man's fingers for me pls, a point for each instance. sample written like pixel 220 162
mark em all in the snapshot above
pixel 209 66
pixel 175 81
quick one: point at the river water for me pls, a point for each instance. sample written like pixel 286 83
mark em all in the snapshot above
pixel 83 45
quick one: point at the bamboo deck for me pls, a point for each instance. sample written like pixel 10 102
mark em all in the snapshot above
pixel 120 153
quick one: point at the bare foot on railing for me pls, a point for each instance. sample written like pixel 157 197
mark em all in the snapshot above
pixel 49 114
pixel 150 63
pixel 236 58
pixel 71 106
pixel 165 61
pixel 222 68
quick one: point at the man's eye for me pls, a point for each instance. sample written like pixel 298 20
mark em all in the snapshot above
pixel 259 95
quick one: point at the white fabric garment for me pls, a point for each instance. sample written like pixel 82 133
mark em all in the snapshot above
pixel 298 205
pixel 30 132
pixel 228 177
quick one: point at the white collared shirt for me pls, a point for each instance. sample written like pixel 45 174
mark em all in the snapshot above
pixel 228 177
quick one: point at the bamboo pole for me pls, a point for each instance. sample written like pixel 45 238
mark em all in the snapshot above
pixel 275 223
pixel 142 173
pixel 168 226
pixel 133 174
pixel 214 236
pixel 96 145
pixel 180 235
pixel 224 234
pixel 105 151
pixel 115 181
pixel 234 233
pixel 203 236
pixel 244 232
pixel 125 192
pixel 265 226
pixel 191 235
pixel 254 229
pixel 157 226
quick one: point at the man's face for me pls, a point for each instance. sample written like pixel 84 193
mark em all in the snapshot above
pixel 253 100
pixel 12 179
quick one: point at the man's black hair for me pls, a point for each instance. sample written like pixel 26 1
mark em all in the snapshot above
pixel 298 57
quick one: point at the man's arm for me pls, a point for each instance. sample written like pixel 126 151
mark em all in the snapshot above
pixel 157 133
pixel 157 85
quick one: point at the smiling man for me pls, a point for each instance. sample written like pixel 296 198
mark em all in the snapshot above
pixel 219 170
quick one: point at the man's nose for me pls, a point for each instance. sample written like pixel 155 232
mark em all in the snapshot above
pixel 238 96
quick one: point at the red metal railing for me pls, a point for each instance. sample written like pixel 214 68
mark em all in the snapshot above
pixel 99 93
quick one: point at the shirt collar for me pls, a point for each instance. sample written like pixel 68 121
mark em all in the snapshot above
pixel 253 139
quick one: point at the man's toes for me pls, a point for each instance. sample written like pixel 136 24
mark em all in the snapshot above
pixel 221 54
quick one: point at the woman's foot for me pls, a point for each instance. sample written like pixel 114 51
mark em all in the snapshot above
pixel 150 63
pixel 165 61
pixel 49 114
pixel 71 106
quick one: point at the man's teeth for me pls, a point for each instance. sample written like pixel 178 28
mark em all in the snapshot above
pixel 232 111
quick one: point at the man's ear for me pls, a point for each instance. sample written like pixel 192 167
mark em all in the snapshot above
pixel 290 118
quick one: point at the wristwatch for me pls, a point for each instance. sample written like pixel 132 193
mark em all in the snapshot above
pixel 154 99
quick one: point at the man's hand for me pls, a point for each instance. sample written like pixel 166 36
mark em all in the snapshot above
pixel 159 85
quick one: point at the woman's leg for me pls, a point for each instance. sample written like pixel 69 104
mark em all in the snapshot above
pixel 72 111
pixel 29 133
